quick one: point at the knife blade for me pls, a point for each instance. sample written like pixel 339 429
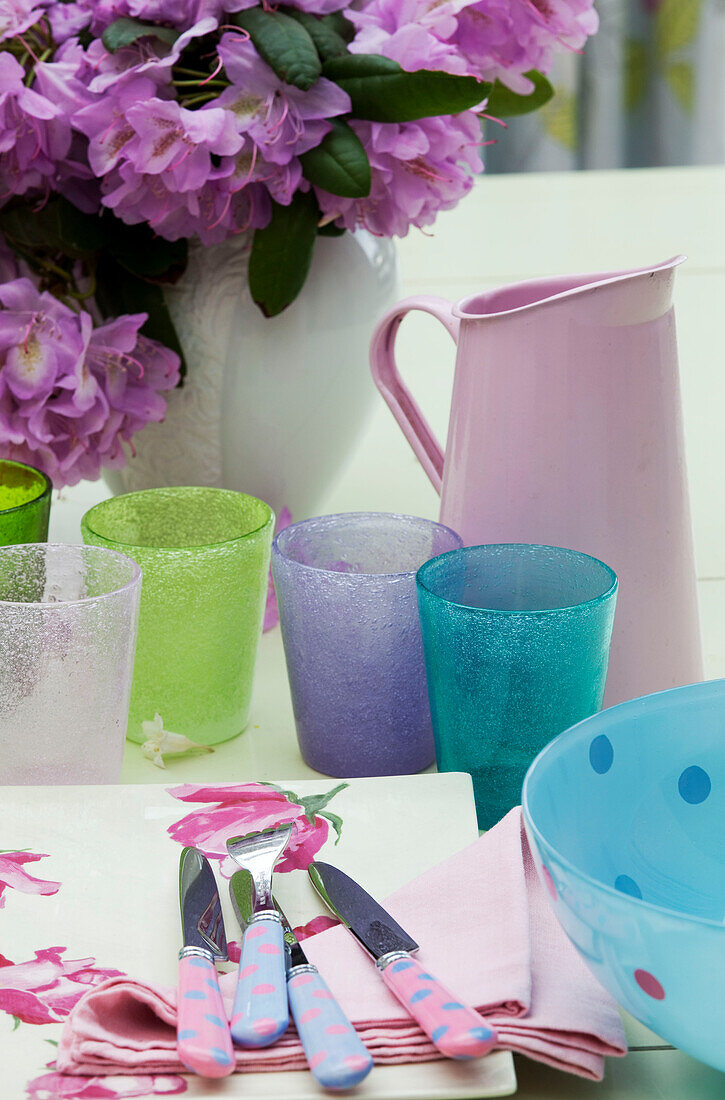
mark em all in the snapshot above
pixel 203 1042
pixel 336 1055
pixel 455 1029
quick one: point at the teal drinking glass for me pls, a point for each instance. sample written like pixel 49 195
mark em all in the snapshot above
pixel 516 642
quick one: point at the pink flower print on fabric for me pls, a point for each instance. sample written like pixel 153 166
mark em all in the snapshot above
pixel 244 808
pixel 317 924
pixel 45 989
pixel 271 612
pixel 60 1086
pixel 13 876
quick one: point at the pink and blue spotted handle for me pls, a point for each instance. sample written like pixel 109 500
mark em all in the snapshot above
pixel 335 1053
pixel 203 1041
pixel 260 1014
pixel 457 1030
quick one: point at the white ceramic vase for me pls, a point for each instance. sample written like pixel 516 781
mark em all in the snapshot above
pixel 270 406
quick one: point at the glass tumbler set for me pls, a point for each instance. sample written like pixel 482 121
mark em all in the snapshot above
pixel 159 613
pixel 402 646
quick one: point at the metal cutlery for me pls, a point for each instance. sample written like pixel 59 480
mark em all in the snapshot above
pixel 260 1014
pixel 457 1030
pixel 203 1041
pixel 337 1057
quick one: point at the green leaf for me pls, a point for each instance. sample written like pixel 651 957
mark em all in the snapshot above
pixel 124 32
pixel 328 42
pixel 58 226
pixel 336 822
pixel 16 1022
pixel 339 164
pixel 283 43
pixel 313 803
pixel 53 1042
pixel 381 91
pixel 139 250
pixel 503 103
pixel 282 253
pixel 341 25
pixel 676 26
pixel 119 291
pixel 681 79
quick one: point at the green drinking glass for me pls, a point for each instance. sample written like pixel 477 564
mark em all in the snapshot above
pixel 24 503
pixel 204 556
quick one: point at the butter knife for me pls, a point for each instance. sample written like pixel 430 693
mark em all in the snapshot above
pixel 457 1030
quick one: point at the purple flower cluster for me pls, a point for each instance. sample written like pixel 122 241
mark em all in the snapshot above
pixel 419 168
pixel 204 159
pixel 194 135
pixel 492 39
pixel 71 393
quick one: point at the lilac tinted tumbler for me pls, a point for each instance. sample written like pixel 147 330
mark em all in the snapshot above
pixel 347 603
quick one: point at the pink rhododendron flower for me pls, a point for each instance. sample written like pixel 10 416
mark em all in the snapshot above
pixel 45 989
pixel 17 15
pixel 244 808
pixel 418 168
pixel 69 393
pixel 281 120
pixel 490 39
pixel 13 876
pixel 60 1086
pixel 150 57
pixel 34 133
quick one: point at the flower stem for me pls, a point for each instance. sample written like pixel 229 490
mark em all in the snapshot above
pixel 205 98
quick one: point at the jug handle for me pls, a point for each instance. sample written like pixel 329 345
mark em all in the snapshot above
pixel 398 397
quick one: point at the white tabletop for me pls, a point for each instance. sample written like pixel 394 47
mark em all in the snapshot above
pixel 510 228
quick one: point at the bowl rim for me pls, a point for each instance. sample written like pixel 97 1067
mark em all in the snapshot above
pixel 704 687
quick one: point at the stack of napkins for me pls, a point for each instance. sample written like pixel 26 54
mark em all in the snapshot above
pixel 485 929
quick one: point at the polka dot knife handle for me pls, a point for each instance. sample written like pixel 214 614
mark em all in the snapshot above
pixel 457 1030
pixel 335 1053
pixel 203 1041
pixel 260 1014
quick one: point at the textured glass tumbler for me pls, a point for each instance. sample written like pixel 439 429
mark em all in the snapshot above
pixel 516 641
pixel 204 554
pixel 346 593
pixel 24 503
pixel 67 636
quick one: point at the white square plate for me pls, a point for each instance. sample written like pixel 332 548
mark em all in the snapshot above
pixel 117 864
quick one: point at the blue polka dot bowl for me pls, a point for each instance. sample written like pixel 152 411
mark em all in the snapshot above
pixel 625 815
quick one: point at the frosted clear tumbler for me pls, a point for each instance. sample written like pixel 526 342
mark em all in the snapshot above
pixel 346 593
pixel 67 638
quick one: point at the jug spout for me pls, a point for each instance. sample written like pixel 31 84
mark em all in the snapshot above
pixel 551 290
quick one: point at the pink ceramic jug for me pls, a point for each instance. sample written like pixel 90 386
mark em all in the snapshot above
pixel 566 430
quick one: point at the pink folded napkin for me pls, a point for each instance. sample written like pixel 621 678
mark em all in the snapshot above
pixel 485 929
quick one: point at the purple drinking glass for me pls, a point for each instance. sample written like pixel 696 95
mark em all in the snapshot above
pixel 347 606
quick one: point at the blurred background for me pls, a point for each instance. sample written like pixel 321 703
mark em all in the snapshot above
pixel 649 90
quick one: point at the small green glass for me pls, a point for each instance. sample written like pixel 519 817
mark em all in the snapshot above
pixel 24 503
pixel 204 556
